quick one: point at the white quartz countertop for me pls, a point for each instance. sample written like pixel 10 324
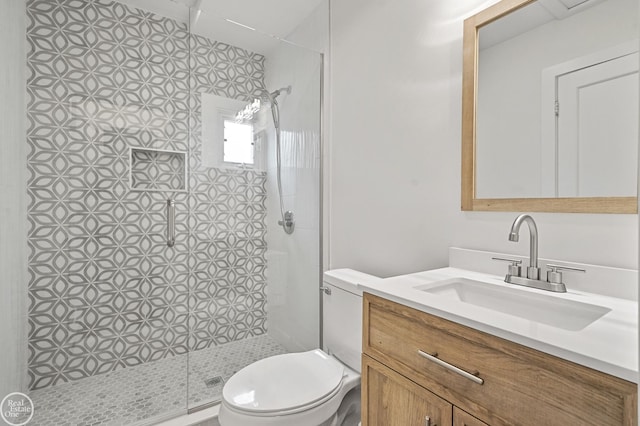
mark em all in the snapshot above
pixel 609 344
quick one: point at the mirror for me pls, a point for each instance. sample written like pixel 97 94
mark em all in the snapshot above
pixel 550 107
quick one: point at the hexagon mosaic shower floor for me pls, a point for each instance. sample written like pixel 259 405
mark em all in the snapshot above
pixel 147 391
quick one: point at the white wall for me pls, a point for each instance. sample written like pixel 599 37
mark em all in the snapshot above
pixel 293 261
pixel 395 149
pixel 13 284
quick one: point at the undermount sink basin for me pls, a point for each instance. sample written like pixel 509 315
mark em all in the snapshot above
pixel 546 309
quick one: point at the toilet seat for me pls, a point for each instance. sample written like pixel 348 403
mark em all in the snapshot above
pixel 284 384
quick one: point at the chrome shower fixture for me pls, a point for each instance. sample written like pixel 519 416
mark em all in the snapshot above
pixel 273 95
pixel 247 114
pixel 251 109
pixel 275 110
pixel 287 221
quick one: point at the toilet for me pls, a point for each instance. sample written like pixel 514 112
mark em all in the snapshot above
pixel 307 388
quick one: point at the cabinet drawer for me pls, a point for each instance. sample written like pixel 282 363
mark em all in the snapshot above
pixel 521 386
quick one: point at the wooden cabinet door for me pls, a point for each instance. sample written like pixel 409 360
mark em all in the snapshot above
pixel 462 418
pixel 389 399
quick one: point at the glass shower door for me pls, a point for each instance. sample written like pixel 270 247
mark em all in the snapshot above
pixel 254 288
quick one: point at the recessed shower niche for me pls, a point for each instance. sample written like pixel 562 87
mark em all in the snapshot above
pixel 157 170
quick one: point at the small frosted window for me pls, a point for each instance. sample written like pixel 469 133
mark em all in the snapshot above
pixel 238 143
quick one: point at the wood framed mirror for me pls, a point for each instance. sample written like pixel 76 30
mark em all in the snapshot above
pixel 517 154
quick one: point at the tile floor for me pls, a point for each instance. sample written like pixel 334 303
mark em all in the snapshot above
pixel 148 391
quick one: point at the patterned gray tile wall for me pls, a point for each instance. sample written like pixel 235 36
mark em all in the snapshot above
pixel 105 292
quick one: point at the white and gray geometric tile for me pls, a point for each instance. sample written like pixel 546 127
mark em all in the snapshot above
pixel 105 291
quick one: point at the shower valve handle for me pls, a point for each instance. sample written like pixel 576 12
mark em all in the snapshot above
pixel 287 223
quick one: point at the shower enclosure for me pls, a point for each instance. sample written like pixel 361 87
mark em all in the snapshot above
pixel 165 147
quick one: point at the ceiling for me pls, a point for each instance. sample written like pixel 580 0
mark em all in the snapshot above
pixel 529 17
pixel 268 20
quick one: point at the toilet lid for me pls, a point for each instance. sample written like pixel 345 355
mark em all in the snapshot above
pixel 284 382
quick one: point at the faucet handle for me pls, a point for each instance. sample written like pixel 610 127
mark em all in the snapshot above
pixel 514 268
pixel 554 274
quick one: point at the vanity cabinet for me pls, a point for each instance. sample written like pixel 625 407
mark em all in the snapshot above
pixel 417 365
pixel 392 399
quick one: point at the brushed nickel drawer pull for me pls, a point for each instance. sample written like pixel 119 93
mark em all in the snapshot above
pixel 427 421
pixel 466 374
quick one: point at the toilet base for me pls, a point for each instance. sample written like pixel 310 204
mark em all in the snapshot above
pixel 349 411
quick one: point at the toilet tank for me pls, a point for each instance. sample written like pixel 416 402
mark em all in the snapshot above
pixel 342 315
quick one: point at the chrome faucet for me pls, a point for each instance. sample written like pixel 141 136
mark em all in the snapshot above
pixel 533 272
pixel 554 275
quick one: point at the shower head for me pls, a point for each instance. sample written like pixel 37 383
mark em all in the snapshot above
pixel 267 99
pixel 277 92
pixel 271 96
pixel 275 111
